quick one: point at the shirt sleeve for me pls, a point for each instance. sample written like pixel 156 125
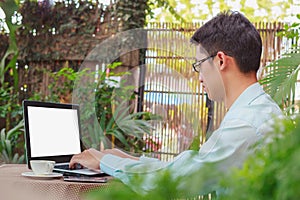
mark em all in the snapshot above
pixel 112 165
pixel 146 168
pixel 229 145
pixel 226 147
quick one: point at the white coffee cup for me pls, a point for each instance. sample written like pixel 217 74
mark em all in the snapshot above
pixel 42 166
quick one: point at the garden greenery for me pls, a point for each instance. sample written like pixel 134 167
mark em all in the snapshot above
pixel 10 110
pixel 271 173
pixel 32 32
pixel 280 80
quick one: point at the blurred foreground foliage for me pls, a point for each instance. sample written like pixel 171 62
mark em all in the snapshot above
pixel 271 172
pixel 165 186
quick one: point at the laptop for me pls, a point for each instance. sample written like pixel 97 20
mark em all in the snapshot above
pixel 52 132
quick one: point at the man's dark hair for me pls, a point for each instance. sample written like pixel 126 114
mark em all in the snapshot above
pixel 235 35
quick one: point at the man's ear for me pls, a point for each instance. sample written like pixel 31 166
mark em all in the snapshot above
pixel 222 61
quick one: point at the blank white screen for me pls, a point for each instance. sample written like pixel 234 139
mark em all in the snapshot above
pixel 53 131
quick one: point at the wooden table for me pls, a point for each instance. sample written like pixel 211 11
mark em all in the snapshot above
pixel 14 186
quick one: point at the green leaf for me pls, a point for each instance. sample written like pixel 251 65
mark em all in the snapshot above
pixel 110 123
pixel 5 157
pixel 15 158
pixel 281 80
pixel 15 130
pixel 21 159
pixel 103 120
pixel 118 135
pixel 8 148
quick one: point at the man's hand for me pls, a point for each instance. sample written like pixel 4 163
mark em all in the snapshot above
pixel 89 158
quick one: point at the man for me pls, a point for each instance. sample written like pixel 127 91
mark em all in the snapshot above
pixel 228 51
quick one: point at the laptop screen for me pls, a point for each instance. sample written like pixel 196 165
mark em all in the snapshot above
pixel 52 130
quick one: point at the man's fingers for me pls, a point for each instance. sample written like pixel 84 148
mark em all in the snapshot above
pixel 73 162
pixel 89 158
pixel 76 159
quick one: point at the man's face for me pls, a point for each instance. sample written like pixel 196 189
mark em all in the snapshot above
pixel 210 76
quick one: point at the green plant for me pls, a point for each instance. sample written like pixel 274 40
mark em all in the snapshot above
pixel 273 171
pixel 281 80
pixel 116 122
pixel 282 74
pixel 43 22
pixel 61 85
pixel 10 109
pixel 108 95
pixel 291 31
pixel 10 7
pixel 8 92
pixel 9 140
pixel 126 128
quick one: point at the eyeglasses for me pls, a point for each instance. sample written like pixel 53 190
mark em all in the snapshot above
pixel 197 64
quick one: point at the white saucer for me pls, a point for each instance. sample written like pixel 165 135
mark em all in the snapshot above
pixel 42 176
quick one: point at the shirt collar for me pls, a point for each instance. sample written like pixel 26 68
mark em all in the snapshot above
pixel 249 95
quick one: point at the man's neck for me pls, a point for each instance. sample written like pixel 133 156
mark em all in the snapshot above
pixel 237 87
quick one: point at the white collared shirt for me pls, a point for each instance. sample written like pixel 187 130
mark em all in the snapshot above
pixel 243 125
